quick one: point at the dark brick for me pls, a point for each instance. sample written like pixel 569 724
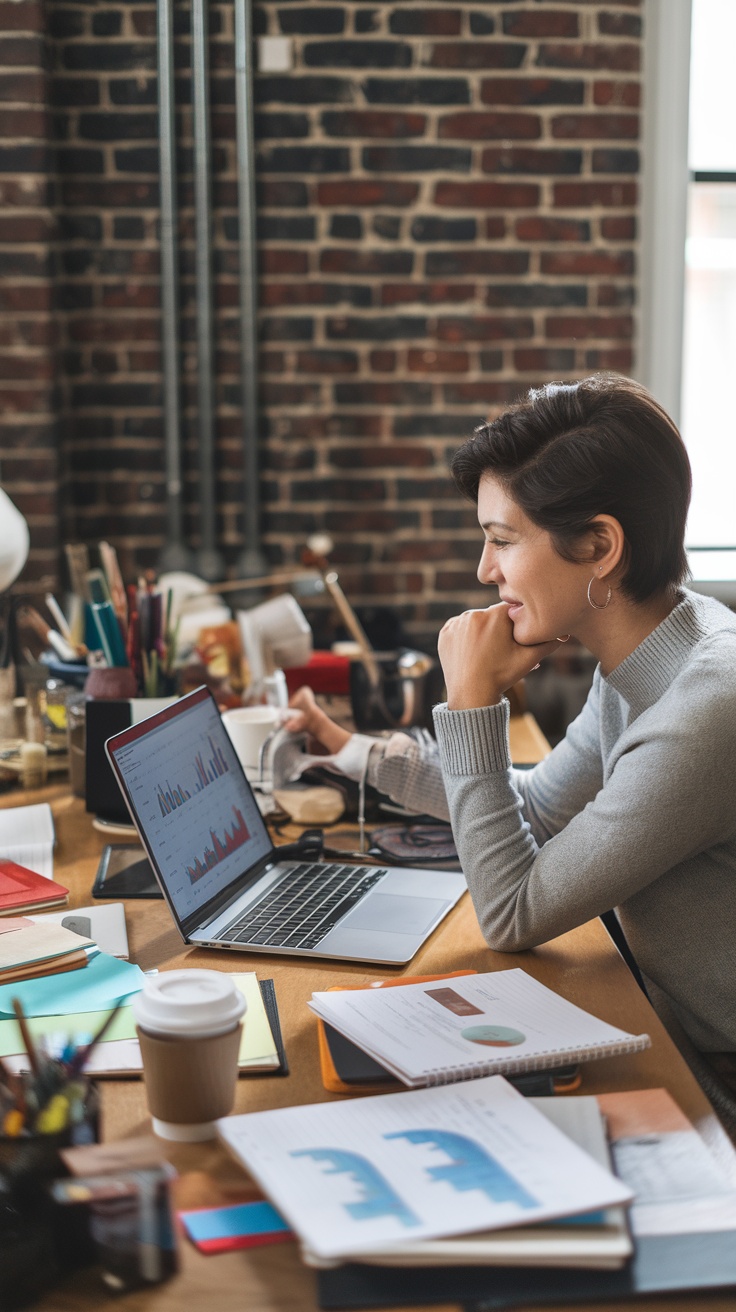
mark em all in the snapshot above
pixel 615 161
pixel 416 91
pixel 383 362
pixel 303 90
pixel 476 54
pixel 425 22
pixel 15 123
pixel 383 393
pixel 327 362
pixel 482 24
pixel 24 264
pixel 137 159
pixel 365 521
pixel 615 294
pixel 26 88
pixel 368 262
pixel 107 23
pixel 416 159
pixel 387 226
pixel 618 58
pixel 22 51
pixel 21 16
pixel 276 227
pixel 535 359
pixel 487 195
pixel 348 227
pixel 305 159
pixel 283 261
pixel 366 191
pixel 619 24
pixel 491 362
pixel 110 126
pixel 595 126
pixel 432 425
pixel 106 395
pixel 281 193
pixel 537 228
pixel 111 57
pixel 384 455
pixel 287 330
pixel 366 20
pixel 552 23
pixel 278 124
pixel 576 195
pixel 528 159
pixel 316 293
pixel 438 362
pixel 281 393
pixel 23 228
pixel 620 228
pixel 428 228
pixel 312 21
pixel 531 91
pixel 481 127
pixel 357 54
pixel 620 358
pixel 354 123
pixel 131 91
pixel 453 263
pixel 385 329
pixel 484 329
pixel 77 159
pixel 339 489
pixel 530 295
pixel 428 489
pixel 480 393
pixel 23 159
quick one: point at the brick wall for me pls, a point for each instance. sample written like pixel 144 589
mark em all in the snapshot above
pixel 447 215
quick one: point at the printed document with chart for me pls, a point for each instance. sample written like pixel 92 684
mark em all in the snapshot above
pixel 357 1176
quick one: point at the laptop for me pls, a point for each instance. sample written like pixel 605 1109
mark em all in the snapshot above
pixel 221 875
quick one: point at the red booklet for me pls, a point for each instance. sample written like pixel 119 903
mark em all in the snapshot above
pixel 23 888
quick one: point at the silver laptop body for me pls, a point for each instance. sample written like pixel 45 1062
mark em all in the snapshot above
pixel 221 875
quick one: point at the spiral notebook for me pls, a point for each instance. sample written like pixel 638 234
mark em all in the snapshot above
pixel 501 1023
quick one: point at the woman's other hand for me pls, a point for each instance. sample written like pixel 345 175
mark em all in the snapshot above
pixel 480 658
pixel 305 716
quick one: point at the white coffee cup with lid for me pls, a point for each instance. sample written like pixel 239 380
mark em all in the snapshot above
pixel 189 1024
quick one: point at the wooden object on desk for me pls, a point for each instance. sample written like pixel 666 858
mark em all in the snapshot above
pixel 583 965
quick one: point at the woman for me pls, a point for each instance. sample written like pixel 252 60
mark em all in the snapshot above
pixel 582 494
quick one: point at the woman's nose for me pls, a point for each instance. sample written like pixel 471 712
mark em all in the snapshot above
pixel 488 570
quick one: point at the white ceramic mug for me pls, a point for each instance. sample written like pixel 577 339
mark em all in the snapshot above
pixel 248 728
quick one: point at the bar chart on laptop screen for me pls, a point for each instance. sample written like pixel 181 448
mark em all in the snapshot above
pixel 201 820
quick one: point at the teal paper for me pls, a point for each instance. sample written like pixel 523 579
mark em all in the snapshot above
pixel 95 987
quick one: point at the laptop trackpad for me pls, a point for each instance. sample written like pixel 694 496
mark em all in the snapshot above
pixel 395 914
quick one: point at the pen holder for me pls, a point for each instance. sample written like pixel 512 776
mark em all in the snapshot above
pixel 38 1239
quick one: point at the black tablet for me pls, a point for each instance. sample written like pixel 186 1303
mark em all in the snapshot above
pixel 124 871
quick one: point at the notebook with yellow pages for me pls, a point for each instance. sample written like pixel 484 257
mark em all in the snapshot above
pixel 501 1023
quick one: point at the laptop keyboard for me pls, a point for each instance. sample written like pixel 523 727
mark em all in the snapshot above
pixel 303 907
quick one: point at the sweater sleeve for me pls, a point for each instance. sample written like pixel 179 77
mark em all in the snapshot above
pixel 663 800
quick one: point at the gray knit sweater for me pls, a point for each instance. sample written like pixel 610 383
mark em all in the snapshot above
pixel 635 809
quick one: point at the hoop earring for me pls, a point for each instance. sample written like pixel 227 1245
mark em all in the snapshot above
pixel 596 604
pixel 565 638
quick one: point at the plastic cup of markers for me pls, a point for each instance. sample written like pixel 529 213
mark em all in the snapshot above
pixel 189 1024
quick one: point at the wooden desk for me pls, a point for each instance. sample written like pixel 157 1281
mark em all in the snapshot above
pixel 582 965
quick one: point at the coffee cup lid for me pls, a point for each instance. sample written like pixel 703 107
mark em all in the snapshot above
pixel 192 1002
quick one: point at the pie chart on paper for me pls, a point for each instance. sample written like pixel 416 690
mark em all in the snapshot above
pixel 493 1036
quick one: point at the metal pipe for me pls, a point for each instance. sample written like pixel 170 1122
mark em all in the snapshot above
pixel 209 562
pixel 252 561
pixel 175 554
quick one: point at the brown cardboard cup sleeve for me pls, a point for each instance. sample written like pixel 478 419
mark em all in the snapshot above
pixel 190 1080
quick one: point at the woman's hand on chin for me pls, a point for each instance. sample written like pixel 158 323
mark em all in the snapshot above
pixel 480 658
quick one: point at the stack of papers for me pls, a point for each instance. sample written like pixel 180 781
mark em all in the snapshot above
pixel 28 951
pixel 27 836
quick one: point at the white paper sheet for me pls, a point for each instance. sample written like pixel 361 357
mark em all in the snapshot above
pixel 27 837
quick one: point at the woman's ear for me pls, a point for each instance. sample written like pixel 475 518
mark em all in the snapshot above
pixel 609 544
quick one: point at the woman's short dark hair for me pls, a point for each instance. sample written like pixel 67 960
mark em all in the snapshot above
pixel 603 445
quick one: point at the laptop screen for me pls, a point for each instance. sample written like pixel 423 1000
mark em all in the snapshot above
pixel 191 800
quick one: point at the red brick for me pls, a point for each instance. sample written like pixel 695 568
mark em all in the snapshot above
pixel 480 127
pixel 383 362
pixel 474 54
pixel 25 298
pixel 327 362
pixel 608 264
pixel 626 94
pixel 536 228
pixel 23 88
pixel 18 400
pixel 21 16
pixel 425 22
pixel 556 22
pixel 584 195
pixel 114 329
pixel 484 328
pixel 434 293
pixel 620 358
pixel 487 195
pixel 380 456
pixel 544 359
pixel 131 296
pixel 593 325
pixel 495 228
pixel 23 228
pixel 23 123
pixel 596 127
pixel 277 261
pixel 480 393
pixel 615 294
pixel 438 362
pixel 619 228
pixel 21 368
pixel 619 58
pixel 530 91
pixel 24 193
pixel 361 191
